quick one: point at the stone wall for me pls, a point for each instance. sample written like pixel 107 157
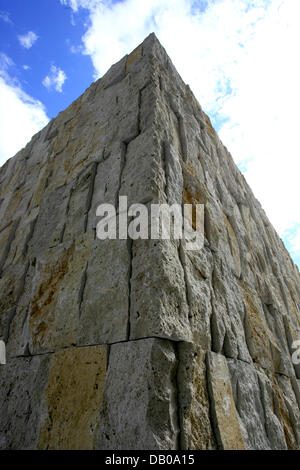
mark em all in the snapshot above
pixel 141 344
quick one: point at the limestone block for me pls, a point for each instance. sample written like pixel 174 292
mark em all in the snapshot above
pixel 235 251
pixel 288 410
pixel 228 316
pixel 278 341
pixel 56 289
pixel 139 408
pixel 6 236
pixel 198 267
pixel 275 424
pixel 135 55
pixel 72 399
pixel 246 393
pixel 263 345
pixel 19 242
pixel 79 203
pixel 106 182
pixel 22 384
pixel 14 174
pixel 195 424
pixel 149 96
pixel 162 309
pixel 18 333
pixel 49 226
pixel 143 182
pixel 11 284
pixel 41 185
pixel 167 122
pixel 227 428
pixel 174 176
pixel 104 309
pixel 16 204
pixel 124 125
pixel 115 74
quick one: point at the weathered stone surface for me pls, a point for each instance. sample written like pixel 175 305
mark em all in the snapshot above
pixel 22 385
pixel 52 401
pixel 157 274
pixel 104 312
pixel 247 396
pixel 54 309
pixel 200 342
pixel 139 409
pixel 195 420
pixel 226 424
pixel 72 399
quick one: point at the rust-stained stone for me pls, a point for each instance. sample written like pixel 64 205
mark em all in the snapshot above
pixel 196 427
pixel 54 310
pixel 72 399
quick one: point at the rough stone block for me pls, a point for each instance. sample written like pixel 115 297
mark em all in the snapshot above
pixel 227 427
pixel 139 408
pixel 72 399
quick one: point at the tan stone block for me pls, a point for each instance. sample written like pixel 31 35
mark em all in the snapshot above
pixel 22 235
pixel 54 310
pixel 286 408
pixel 133 57
pixel 226 422
pixel 105 301
pixel 195 424
pixel 235 251
pixel 72 399
pixel 4 237
pixel 256 330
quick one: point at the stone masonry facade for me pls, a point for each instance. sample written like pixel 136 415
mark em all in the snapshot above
pixel 141 344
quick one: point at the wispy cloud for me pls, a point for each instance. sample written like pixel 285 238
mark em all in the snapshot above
pixel 71 3
pixel 5 63
pixel 76 49
pixel 4 16
pixel 21 116
pixel 295 241
pixel 238 56
pixel 27 40
pixel 55 79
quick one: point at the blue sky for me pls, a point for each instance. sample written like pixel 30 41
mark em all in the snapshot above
pixel 51 22
pixel 238 56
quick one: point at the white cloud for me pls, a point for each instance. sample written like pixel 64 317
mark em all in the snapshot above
pixel 26 67
pixel 4 15
pixel 5 63
pixel 239 58
pixel 74 4
pixel 21 116
pixel 27 40
pixel 55 79
pixel 295 242
pixel 76 49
